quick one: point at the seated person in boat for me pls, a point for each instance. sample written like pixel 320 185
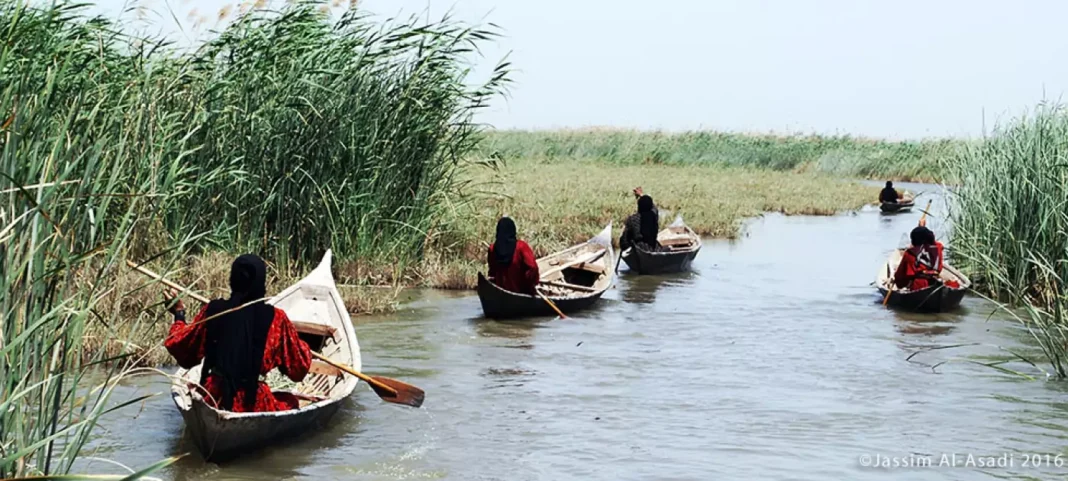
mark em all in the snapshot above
pixel 642 228
pixel 889 194
pixel 238 347
pixel 512 265
pixel 921 263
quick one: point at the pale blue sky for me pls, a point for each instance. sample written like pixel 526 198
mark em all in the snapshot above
pixel 903 68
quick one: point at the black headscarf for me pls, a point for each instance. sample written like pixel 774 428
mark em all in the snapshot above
pixel 921 236
pixel 504 245
pixel 650 220
pixel 236 340
pixel 888 194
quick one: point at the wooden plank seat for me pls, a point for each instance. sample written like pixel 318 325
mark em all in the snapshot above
pixel 314 328
pixel 320 367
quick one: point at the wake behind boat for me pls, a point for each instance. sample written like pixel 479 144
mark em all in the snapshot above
pixel 315 307
pixel 573 279
pixel 680 246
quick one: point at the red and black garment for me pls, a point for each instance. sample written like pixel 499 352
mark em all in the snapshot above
pixel 240 346
pixel 510 261
pixel 920 266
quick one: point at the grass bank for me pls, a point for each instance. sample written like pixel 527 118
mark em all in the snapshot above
pixel 1010 222
pixel 557 204
pixel 843 155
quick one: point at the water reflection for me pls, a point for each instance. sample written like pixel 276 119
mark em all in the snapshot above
pixel 914 328
pixel 517 334
pixel 639 289
pixel 935 324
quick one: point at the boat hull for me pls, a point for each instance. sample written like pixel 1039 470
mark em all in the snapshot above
pixel 316 309
pixel 566 270
pixel 930 300
pixel 498 303
pixel 644 262
pixel 680 245
pixel 220 437
pixel 896 207
pixel 937 298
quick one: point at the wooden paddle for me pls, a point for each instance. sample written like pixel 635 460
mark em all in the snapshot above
pixel 889 280
pixel 550 303
pixel 390 390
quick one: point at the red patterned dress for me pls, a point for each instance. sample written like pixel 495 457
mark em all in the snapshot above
pixel 519 276
pixel 919 267
pixel 284 350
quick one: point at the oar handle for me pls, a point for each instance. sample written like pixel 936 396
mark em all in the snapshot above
pixel 358 374
pixel 923 218
pixel 550 303
pixel 165 281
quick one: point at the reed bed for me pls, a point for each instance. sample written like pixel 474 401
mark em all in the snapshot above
pixel 68 207
pixel 286 134
pixel 843 155
pixel 1010 222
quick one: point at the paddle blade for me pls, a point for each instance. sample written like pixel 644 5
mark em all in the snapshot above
pixel 405 393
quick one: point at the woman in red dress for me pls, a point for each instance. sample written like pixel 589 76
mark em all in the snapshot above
pixel 511 261
pixel 921 264
pixel 238 347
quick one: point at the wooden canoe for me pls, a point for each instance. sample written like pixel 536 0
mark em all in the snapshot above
pixel 680 246
pixel 937 298
pixel 315 307
pixel 574 279
pixel 905 204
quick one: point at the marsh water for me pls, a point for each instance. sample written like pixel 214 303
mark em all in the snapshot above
pixel 772 359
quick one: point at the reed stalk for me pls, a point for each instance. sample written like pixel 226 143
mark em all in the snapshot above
pixel 286 134
pixel 1010 222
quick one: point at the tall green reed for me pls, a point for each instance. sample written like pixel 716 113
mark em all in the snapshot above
pixel 285 135
pixel 344 135
pixel 1010 221
pixel 842 155
pixel 69 203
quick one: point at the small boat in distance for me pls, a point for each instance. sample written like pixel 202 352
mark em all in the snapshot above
pixel 315 307
pixel 936 298
pixel 904 204
pixel 680 246
pixel 573 279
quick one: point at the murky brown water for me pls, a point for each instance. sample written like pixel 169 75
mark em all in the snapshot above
pixel 772 360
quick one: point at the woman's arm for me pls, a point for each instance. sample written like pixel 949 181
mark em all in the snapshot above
pixel 902 278
pixel 290 353
pixel 526 256
pixel 186 341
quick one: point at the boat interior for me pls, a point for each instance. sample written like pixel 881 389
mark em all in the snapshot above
pixel 315 312
pixel 575 272
pixel 678 238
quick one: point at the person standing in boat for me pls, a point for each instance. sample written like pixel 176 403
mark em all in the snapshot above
pixel 642 227
pixel 512 265
pixel 238 346
pixel 921 264
pixel 889 194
